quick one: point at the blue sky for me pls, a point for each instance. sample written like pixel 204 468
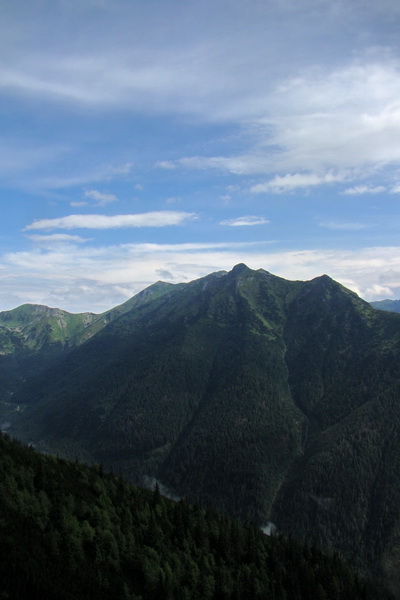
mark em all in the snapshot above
pixel 165 140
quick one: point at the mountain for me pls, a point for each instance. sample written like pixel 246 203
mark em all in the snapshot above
pixel 390 305
pixel 33 336
pixel 73 533
pixel 275 400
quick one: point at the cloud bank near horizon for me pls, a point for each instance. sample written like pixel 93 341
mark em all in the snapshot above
pixel 273 126
pixel 96 279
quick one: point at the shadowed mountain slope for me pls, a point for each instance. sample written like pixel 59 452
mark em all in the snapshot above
pixel 273 399
pixel 34 336
pixel 73 533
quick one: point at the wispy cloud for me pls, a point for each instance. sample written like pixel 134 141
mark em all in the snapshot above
pixel 78 175
pixel 94 279
pixel 379 291
pixel 294 110
pixel 166 164
pixel 287 183
pixel 223 98
pixel 343 226
pixel 189 247
pixel 364 189
pixel 150 219
pixel 56 238
pixel 325 125
pixel 100 198
pixel 246 164
pixel 347 117
pixel 245 221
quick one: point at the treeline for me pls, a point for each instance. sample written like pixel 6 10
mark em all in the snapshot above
pixel 73 532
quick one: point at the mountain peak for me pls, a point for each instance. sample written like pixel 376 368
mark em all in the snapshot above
pixel 324 282
pixel 240 268
pixel 323 278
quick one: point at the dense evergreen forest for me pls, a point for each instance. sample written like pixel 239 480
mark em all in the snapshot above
pixel 272 400
pixel 70 532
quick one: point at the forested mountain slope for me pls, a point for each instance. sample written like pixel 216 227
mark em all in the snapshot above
pixel 33 336
pixel 273 399
pixel 73 533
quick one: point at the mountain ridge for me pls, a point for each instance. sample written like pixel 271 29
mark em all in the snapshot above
pixel 390 305
pixel 33 336
pixel 259 394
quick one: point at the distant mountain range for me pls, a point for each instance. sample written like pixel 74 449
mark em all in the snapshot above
pixel 390 305
pixel 275 400
pixel 32 336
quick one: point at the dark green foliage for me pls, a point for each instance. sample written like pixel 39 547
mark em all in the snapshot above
pixel 191 386
pixel 274 400
pixel 73 533
pixel 33 336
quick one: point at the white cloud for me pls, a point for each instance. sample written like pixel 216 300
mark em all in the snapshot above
pixel 239 165
pixel 246 164
pixel 166 164
pixel 364 189
pixel 78 204
pixel 189 247
pixel 297 105
pixel 378 291
pixel 124 169
pixel 150 219
pixel 56 238
pixel 153 57
pixel 100 198
pixel 348 117
pixel 278 96
pixel 287 183
pixel 245 221
pixel 84 278
pixel 327 125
